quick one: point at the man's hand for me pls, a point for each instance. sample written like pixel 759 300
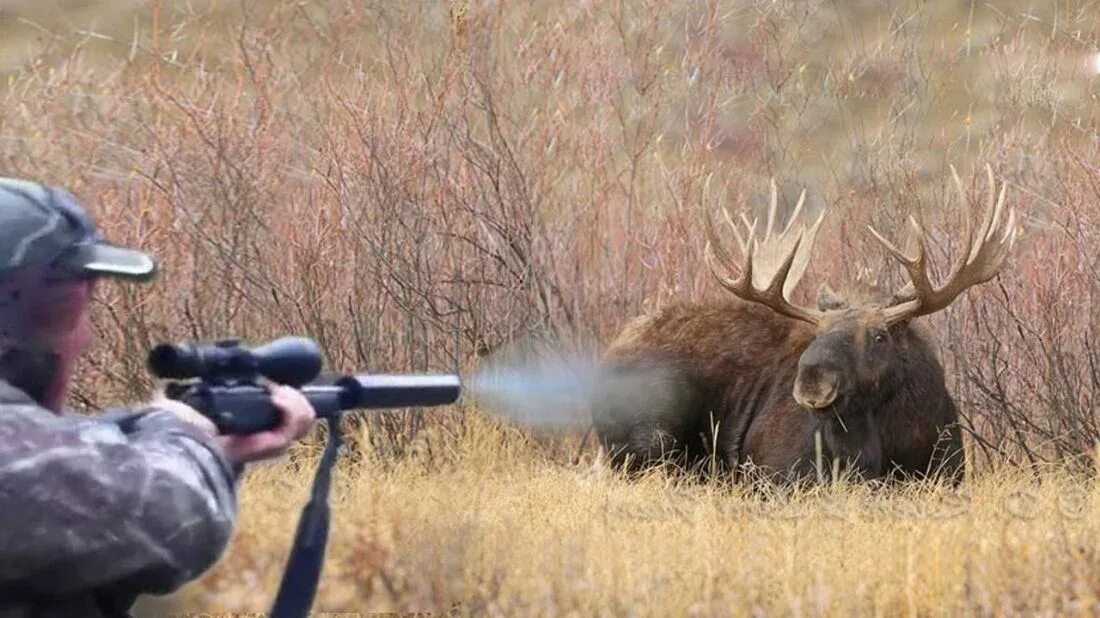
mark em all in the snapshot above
pixel 297 417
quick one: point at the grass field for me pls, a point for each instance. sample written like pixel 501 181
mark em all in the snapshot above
pixel 501 528
pixel 430 186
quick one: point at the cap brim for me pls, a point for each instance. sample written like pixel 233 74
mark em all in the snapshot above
pixel 111 261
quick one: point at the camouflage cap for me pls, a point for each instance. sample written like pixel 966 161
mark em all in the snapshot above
pixel 42 225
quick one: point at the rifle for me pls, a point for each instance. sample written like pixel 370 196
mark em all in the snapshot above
pixel 221 380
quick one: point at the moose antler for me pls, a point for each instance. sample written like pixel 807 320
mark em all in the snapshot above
pixel 770 268
pixel 982 257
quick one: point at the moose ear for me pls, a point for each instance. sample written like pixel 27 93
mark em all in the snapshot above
pixel 829 300
pixel 905 294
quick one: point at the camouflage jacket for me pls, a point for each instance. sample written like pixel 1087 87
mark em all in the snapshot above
pixel 97 510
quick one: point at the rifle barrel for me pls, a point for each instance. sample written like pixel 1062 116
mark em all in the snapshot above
pixel 376 391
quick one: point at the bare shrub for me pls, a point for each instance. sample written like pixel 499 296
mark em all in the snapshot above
pixel 416 185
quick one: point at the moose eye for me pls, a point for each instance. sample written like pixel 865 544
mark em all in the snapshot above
pixel 879 337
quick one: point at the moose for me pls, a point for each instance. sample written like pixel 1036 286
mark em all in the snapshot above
pixel 757 383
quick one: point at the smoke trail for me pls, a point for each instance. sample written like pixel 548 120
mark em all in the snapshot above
pixel 546 390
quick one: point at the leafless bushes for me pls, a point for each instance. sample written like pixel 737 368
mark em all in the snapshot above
pixel 416 186
pixel 1026 355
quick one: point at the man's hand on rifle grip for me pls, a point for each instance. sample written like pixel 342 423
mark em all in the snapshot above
pixel 296 419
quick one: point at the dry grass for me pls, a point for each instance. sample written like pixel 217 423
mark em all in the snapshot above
pixel 497 528
pixel 419 185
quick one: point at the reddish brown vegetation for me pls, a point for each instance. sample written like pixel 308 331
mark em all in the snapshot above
pixel 414 194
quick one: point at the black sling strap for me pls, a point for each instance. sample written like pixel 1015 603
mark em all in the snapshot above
pixel 303 570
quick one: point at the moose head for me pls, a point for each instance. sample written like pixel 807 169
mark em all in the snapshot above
pixel 853 360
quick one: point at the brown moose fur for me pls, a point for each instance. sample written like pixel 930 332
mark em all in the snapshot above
pixel 680 373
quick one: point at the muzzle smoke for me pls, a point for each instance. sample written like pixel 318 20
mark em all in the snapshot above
pixel 550 392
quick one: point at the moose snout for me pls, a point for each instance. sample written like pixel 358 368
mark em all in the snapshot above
pixel 816 386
